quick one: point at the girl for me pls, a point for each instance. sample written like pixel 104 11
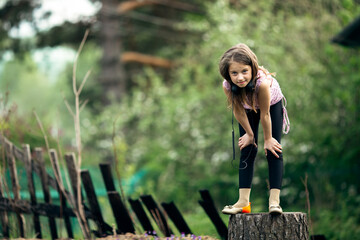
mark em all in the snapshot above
pixel 254 96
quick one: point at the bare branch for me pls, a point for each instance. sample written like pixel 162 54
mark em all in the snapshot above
pixel 131 5
pixel 146 59
pixel 56 173
pixel 84 81
pixel 76 59
pixel 304 181
pixel 69 108
pixel 42 130
pixel 83 104
pixel 82 220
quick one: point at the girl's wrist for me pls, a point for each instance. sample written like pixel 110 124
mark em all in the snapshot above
pixel 267 139
pixel 250 134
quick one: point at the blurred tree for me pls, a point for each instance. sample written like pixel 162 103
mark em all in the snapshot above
pixel 113 76
pixel 12 14
pixel 149 30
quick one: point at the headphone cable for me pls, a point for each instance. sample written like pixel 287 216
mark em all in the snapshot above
pixel 233 137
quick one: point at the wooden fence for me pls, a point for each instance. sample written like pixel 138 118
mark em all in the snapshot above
pixel 35 165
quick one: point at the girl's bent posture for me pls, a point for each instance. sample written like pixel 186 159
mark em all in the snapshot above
pixel 255 96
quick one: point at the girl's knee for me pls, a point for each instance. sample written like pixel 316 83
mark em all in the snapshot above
pixel 270 156
pixel 249 152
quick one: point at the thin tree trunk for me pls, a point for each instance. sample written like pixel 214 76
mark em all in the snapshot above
pixel 113 75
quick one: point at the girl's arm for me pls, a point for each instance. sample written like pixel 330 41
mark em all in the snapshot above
pixel 240 116
pixel 270 143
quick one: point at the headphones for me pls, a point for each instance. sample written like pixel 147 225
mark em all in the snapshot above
pixel 248 89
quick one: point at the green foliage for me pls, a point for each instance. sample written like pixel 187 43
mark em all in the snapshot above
pixel 339 224
pixel 180 132
pixel 30 88
pixel 24 89
pixel 172 136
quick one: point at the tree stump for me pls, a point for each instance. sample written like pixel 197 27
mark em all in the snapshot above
pixel 255 226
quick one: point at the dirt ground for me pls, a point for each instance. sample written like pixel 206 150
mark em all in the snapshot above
pixel 130 236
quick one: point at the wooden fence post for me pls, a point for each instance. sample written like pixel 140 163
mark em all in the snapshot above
pixel 254 226
pixel 31 187
pixel 71 166
pixel 4 216
pixel 54 159
pixel 175 215
pixel 122 217
pixel 107 176
pixel 156 214
pixel 103 228
pixel 15 185
pixel 10 153
pixel 141 216
pixel 121 214
pixel 210 209
pixel 46 190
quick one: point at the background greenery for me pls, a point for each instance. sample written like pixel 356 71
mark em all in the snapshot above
pixel 173 131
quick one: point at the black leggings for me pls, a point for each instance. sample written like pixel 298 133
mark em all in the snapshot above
pixel 248 154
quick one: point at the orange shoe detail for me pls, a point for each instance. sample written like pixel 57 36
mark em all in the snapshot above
pixel 246 209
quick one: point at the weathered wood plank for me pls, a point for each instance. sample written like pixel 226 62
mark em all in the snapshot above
pixel 4 216
pixel 55 161
pixel 46 190
pixel 254 226
pixel 175 215
pixel 208 205
pixel 18 153
pixel 72 170
pixel 15 184
pixel 106 173
pixel 71 166
pixel 19 206
pixel 31 187
pixel 141 215
pixel 103 228
pixel 43 209
pixel 122 217
pixel 156 214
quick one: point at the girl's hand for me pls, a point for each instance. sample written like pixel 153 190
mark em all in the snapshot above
pixel 246 140
pixel 273 146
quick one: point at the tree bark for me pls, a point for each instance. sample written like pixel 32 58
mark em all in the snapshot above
pixel 113 76
pixel 254 226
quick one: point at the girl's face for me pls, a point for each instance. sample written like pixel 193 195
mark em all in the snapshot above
pixel 240 74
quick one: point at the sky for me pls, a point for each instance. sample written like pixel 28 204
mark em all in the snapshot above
pixel 62 10
pixel 53 60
